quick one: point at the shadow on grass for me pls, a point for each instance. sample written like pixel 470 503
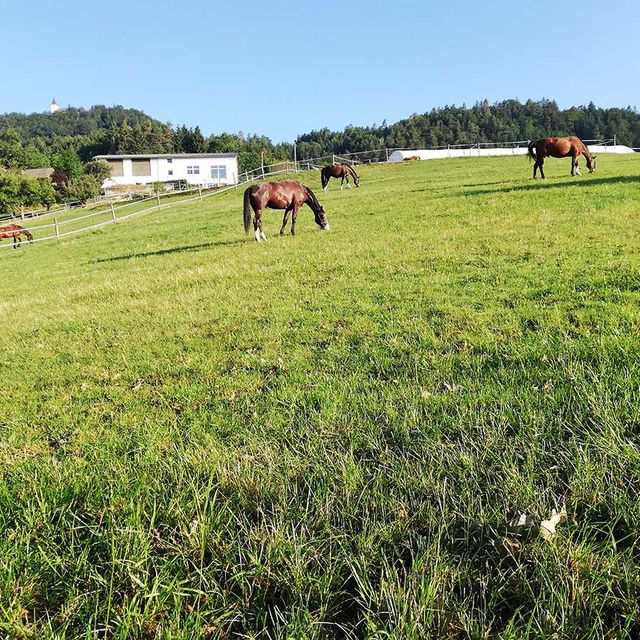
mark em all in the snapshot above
pixel 164 252
pixel 575 182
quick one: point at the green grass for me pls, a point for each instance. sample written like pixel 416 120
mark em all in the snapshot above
pixel 325 436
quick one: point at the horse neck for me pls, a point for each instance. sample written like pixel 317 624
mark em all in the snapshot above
pixel 585 152
pixel 312 201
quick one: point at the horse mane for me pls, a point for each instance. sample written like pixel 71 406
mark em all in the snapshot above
pixel 313 201
pixel 585 150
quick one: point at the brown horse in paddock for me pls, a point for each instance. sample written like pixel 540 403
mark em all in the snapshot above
pixel 339 171
pixel 15 231
pixel 560 148
pixel 289 195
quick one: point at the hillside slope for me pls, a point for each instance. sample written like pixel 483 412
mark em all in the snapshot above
pixel 326 435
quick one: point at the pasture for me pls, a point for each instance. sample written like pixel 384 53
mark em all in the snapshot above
pixel 326 436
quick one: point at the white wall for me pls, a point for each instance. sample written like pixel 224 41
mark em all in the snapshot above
pixel 160 168
pixel 439 154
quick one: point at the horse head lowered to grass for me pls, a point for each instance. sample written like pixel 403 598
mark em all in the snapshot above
pixel 289 195
pixel 343 171
pixel 15 231
pixel 560 148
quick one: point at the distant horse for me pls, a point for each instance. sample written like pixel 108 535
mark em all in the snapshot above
pixel 289 195
pixel 15 231
pixel 560 148
pixel 412 158
pixel 339 171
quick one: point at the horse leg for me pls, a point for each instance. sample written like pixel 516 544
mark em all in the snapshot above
pixel 576 161
pixel 540 166
pixel 294 216
pixel 342 183
pixel 257 225
pixel 284 220
pixel 348 183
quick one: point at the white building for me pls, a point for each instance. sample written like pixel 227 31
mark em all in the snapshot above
pixel 399 155
pixel 205 169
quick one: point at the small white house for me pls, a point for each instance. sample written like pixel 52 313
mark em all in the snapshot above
pixel 204 169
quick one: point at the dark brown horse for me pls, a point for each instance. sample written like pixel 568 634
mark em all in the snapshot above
pixel 560 148
pixel 15 231
pixel 339 171
pixel 289 195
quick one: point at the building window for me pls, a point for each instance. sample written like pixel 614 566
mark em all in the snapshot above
pixel 193 170
pixel 117 169
pixel 169 160
pixel 219 172
pixel 140 168
pixel 170 172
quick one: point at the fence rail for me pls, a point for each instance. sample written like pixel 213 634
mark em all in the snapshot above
pixel 111 210
pixel 113 214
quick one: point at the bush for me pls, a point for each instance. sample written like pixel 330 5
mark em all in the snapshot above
pixel 83 188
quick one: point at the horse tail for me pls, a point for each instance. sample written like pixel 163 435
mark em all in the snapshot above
pixel 247 209
pixel 324 179
pixel 531 153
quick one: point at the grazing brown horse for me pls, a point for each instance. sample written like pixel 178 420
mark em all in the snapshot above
pixel 339 171
pixel 15 231
pixel 560 148
pixel 289 195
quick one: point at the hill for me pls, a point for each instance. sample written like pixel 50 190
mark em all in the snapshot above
pixel 71 122
pixel 505 121
pixel 326 436
pixel 104 130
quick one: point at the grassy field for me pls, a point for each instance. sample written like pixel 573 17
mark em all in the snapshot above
pixel 326 436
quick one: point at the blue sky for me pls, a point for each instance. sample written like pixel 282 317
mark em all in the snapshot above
pixel 282 68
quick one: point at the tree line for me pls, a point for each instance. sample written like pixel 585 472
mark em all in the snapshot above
pixel 104 130
pixel 69 138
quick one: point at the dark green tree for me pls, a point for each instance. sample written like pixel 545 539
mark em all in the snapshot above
pixel 11 151
pixel 69 162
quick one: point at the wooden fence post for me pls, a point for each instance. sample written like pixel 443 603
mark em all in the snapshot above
pixel 158 199
pixel 55 221
pixel 113 213
pixel 200 189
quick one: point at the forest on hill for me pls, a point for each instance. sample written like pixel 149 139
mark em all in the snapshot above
pixel 35 140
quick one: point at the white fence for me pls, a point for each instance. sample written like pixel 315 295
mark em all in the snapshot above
pixel 112 214
pixel 487 149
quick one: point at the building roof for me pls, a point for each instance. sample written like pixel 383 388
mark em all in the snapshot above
pixel 146 156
